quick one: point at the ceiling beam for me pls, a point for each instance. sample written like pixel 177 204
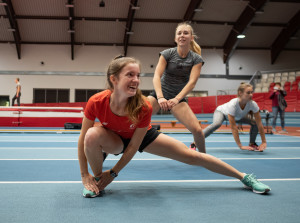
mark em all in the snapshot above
pixel 240 27
pixel 284 1
pixel 71 27
pixel 189 14
pixel 284 36
pixel 132 44
pixel 13 25
pixel 102 19
pixel 129 22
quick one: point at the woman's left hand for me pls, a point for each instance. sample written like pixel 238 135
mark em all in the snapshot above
pixel 105 179
pixel 172 102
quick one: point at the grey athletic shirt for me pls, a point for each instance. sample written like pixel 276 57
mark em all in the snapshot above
pixel 177 72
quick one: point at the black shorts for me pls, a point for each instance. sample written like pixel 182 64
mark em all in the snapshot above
pixel 150 136
pixel 153 94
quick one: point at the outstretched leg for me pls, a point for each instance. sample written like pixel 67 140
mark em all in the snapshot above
pixel 168 147
pixel 218 119
pixel 171 148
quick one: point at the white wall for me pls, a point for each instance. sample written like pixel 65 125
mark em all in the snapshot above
pixel 57 58
pixel 253 60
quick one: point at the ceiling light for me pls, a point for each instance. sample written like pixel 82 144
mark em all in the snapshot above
pixel 11 30
pixel 129 33
pixel 241 36
pixel 198 10
pixel 69 5
pixel 135 7
pixel 259 12
pixel 71 31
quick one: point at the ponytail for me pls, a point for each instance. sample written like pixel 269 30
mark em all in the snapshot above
pixel 195 47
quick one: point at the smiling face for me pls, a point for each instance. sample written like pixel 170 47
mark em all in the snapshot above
pixel 128 80
pixel 247 94
pixel 183 35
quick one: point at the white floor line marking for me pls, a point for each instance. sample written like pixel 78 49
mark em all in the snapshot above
pixel 153 159
pixel 38 148
pixel 142 181
pixel 13 141
pixel 74 148
pixel 189 141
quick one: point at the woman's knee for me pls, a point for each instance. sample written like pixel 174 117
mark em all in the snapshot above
pixel 196 159
pixel 93 137
pixel 197 130
pixel 154 104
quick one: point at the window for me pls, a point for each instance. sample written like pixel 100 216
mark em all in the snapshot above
pixel 83 95
pixel 51 95
pixel 4 100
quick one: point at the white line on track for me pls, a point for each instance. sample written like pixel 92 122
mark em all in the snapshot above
pixel 291 140
pixel 22 140
pixel 74 148
pixel 38 148
pixel 142 181
pixel 149 159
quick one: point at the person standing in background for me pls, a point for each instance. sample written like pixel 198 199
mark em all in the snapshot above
pixel 175 76
pixel 18 93
pixel 278 105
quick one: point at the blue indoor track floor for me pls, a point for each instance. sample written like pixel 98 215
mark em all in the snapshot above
pixel 40 182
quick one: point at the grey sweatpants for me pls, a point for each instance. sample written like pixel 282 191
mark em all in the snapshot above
pixel 218 119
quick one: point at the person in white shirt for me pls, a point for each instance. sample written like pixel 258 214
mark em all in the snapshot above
pixel 242 109
pixel 18 93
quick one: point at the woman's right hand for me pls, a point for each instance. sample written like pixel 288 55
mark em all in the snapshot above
pixel 90 183
pixel 163 103
pixel 247 148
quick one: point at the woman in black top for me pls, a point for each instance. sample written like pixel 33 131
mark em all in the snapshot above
pixel 175 76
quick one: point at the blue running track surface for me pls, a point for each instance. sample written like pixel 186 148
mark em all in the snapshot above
pixel 40 182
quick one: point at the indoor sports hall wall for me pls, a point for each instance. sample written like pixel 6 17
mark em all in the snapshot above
pixel 210 103
pixel 96 58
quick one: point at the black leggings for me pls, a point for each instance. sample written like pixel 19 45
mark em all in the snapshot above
pixel 14 98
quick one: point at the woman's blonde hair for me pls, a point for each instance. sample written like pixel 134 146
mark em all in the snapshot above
pixel 193 45
pixel 243 87
pixel 241 90
pixel 135 103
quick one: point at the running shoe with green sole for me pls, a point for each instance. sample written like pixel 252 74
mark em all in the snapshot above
pixel 91 194
pixel 250 182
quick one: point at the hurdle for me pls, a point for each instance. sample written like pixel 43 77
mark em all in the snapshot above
pixel 39 116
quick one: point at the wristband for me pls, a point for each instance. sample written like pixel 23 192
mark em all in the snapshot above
pixel 113 173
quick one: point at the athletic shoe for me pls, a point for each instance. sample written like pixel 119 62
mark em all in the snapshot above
pixel 193 146
pixel 91 194
pixel 255 147
pixel 283 131
pixel 250 182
